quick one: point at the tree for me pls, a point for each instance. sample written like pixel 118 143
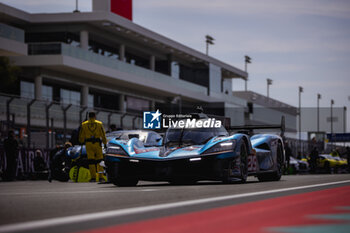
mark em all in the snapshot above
pixel 8 75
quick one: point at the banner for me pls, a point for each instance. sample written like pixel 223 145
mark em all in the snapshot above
pixel 30 162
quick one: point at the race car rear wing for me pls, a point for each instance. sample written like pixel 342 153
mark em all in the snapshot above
pixel 250 128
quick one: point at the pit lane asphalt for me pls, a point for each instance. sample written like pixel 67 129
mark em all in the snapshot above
pixel 25 201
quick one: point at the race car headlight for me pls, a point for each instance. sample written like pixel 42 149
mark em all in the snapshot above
pixel 228 145
pixel 115 149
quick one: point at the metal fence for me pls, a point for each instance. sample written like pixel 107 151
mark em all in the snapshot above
pixel 54 119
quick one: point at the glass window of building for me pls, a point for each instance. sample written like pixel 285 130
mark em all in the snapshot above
pixel 137 104
pixel 27 89
pixel 70 97
pixel 91 101
pixel 175 70
pixel 46 92
pixel 215 78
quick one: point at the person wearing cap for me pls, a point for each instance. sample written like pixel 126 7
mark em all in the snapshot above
pixel 92 134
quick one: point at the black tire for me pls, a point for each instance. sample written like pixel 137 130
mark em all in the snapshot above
pixel 125 182
pixel 276 175
pixel 243 167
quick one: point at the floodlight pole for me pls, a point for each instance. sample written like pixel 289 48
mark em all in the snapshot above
pixel 76 7
pixel 318 112
pixel 344 119
pixel 246 80
pixel 247 60
pixel 208 40
pixel 332 103
pixel 269 82
pixel 300 91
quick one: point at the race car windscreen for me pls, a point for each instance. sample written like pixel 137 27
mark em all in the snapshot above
pixel 326 156
pixel 112 135
pixel 192 136
pixel 125 135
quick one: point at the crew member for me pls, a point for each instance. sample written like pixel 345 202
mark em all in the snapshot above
pixel 313 159
pixel 57 165
pixel 112 128
pixel 335 153
pixel 288 153
pixel 11 150
pixel 93 134
pixel 348 157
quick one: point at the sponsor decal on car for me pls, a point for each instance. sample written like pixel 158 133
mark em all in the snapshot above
pixel 252 163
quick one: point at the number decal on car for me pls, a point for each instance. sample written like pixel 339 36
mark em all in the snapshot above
pixel 252 163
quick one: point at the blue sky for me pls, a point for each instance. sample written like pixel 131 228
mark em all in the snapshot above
pixel 294 43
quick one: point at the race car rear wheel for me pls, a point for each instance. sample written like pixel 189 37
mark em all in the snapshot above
pixel 125 181
pixel 276 175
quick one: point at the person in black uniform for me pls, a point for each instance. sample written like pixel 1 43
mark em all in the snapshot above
pixel 313 159
pixel 11 150
pixel 288 153
pixel 348 157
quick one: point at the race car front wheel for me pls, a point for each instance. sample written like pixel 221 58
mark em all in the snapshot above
pixel 243 167
pixel 243 163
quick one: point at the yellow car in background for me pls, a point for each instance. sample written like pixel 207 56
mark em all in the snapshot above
pixel 329 163
pixel 342 163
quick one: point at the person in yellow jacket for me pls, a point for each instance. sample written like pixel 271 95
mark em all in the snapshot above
pixel 335 153
pixel 92 134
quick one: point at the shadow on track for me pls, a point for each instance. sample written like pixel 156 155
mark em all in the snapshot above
pixel 166 184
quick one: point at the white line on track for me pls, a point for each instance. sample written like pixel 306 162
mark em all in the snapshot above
pixel 137 210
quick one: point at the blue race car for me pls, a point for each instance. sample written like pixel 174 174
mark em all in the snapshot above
pixel 77 156
pixel 188 155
